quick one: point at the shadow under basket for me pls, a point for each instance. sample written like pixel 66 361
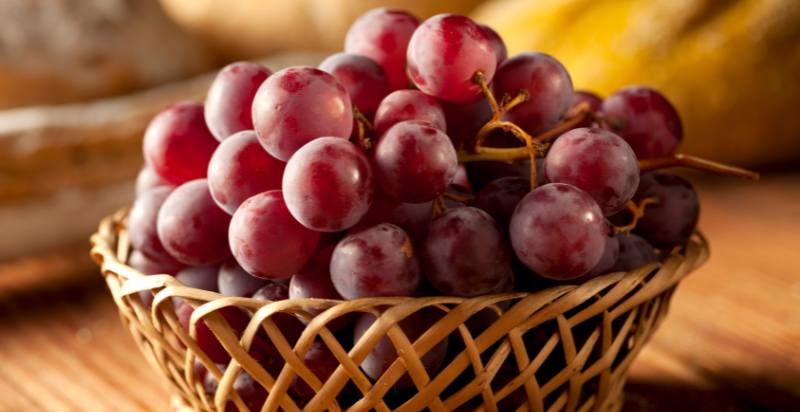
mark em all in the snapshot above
pixel 562 348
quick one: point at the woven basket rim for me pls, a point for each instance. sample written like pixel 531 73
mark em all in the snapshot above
pixel 110 228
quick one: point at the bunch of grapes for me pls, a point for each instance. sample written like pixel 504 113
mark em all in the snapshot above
pixel 348 181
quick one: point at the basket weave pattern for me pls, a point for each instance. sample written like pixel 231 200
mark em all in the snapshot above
pixel 566 347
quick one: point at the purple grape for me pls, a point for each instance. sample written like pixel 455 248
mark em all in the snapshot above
pixel 328 185
pixel 314 281
pixel 598 162
pixel 235 281
pixel 199 277
pixel 498 45
pixel 548 85
pixel 192 228
pixel 147 266
pixel 415 162
pixel 363 79
pixel 377 261
pixel 143 224
pixel 558 231
pixel 609 258
pixel 594 101
pixel 404 105
pixel 321 362
pixel 634 252
pixel 645 119
pixel 229 101
pixel 500 197
pixel 465 254
pixel 671 221
pixel 414 218
pixel 240 168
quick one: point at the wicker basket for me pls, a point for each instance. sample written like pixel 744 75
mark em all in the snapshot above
pixel 567 347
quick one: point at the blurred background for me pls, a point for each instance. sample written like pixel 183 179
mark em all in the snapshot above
pixel 80 80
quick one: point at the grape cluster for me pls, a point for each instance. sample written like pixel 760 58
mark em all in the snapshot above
pixel 349 181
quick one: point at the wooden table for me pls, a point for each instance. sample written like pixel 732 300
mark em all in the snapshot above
pixel 731 341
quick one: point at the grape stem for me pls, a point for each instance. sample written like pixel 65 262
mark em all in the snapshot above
pixel 439 206
pixel 364 129
pixel 637 211
pixel 458 198
pixel 679 159
pixel 534 145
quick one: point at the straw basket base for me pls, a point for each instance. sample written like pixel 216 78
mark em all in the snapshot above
pixel 562 347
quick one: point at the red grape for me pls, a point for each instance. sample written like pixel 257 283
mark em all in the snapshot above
pixel 498 45
pixel 142 224
pixel 558 231
pixel 321 362
pixel 192 228
pixel 383 354
pixel 290 326
pixel 299 104
pixel 383 35
pixel 645 119
pixel 672 220
pixel 177 143
pixel 609 258
pixel 235 281
pixel 205 338
pixel 377 261
pixel 240 168
pixel 408 105
pixel 634 251
pixel 548 85
pixel 461 179
pixel 445 53
pixel 465 120
pixel 328 184
pixel 148 179
pixel 596 161
pixel 415 162
pixel 465 254
pixel 363 79
pixel 594 101
pixel 199 277
pixel 314 281
pixel 230 98
pixel 411 217
pixel 500 197
pixel 147 266
pixel 266 240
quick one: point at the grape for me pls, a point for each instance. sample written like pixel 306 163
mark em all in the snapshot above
pixel 235 281
pixel 148 179
pixel 148 266
pixel 411 217
pixel 415 162
pixel 461 179
pixel 321 362
pixel 314 281
pixel 482 173
pixel 500 197
pixel 251 392
pixel 192 228
pixel 408 105
pixel 498 45
pixel 199 277
pixel 558 231
pixel 465 120
pixel 142 224
pixel 290 326
pixel 299 104
pixel 673 219
pixel 240 168
pixel 383 354
pixel 364 80
pixel 445 53
pixel 609 258
pixel 230 98
pixel 328 184
pixel 377 261
pixel 177 143
pixel 549 90
pixel 205 338
pixel 595 102
pixel 383 35
pixel 645 119
pixel 465 254
pixel 634 251
pixel 266 240
pixel 596 161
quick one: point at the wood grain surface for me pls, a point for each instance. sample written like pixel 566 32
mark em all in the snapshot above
pixel 730 343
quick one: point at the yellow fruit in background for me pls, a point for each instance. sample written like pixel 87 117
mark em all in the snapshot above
pixel 253 28
pixel 732 68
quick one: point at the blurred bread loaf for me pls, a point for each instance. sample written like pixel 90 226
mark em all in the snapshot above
pixel 56 51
